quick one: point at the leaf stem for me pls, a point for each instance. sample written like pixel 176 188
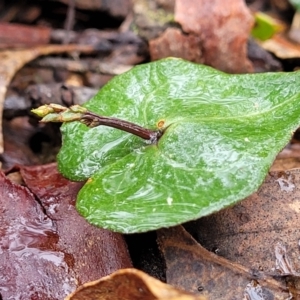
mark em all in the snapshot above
pixel 92 120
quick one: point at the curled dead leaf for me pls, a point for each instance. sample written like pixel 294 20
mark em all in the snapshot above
pixel 130 284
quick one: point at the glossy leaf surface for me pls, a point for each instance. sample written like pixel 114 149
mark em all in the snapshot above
pixel 221 134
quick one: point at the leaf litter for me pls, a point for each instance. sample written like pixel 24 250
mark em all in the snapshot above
pixel 205 273
pixel 261 232
pixel 47 249
pixel 130 284
pixel 282 254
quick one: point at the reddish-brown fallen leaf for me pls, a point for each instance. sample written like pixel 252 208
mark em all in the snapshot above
pixel 18 35
pixel 96 252
pixel 130 284
pixel 191 267
pixel 47 250
pixel 174 43
pixel 30 265
pixel 223 30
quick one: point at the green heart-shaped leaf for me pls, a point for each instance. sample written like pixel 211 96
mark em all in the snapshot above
pixel 221 134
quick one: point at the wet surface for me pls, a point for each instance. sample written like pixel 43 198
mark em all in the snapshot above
pixel 254 291
pixel 284 265
pixel 31 265
pixel 46 249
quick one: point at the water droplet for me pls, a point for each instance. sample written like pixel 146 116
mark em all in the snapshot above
pixel 254 291
pixel 216 250
pixel 283 263
pixel 286 184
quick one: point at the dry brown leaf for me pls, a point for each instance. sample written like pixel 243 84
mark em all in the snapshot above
pixel 130 284
pixel 193 268
pixel 249 232
pixel 223 31
pixel 12 60
pixel 263 231
pixel 281 47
